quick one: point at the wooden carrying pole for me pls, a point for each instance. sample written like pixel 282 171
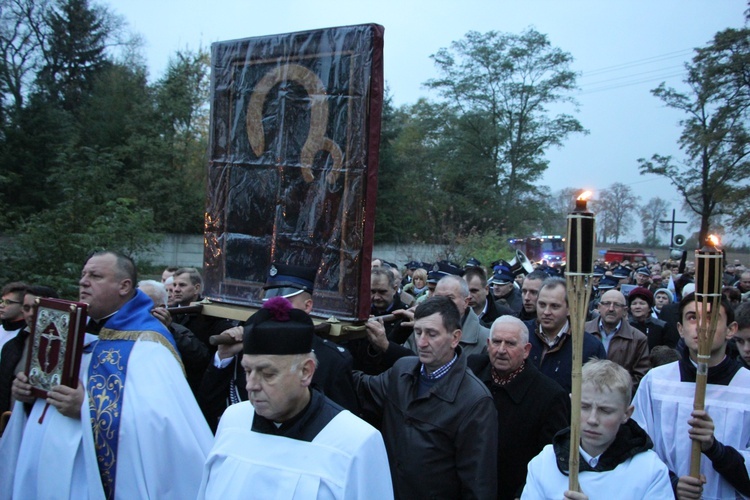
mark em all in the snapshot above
pixel 709 267
pixel 579 294
pixel 580 267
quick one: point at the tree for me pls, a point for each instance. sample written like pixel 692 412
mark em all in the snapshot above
pixel 614 211
pixel 651 213
pixel 412 205
pixel 500 85
pixel 74 52
pixel 389 198
pixel 182 96
pixel 91 154
pixel 22 36
pixel 431 187
pixel 28 152
pixel 51 246
pixel 713 177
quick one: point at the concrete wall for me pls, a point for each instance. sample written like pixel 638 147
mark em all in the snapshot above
pixel 187 250
pixel 401 254
pixel 182 250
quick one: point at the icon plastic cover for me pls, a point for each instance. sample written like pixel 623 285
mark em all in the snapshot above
pixel 293 159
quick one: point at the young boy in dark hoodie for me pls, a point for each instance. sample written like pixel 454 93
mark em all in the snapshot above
pixel 616 460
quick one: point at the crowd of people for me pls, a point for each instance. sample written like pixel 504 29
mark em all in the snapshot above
pixel 458 388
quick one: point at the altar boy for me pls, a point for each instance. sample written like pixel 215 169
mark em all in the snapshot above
pixel 664 408
pixel 616 460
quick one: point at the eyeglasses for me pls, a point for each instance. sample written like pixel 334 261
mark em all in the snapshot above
pixel 608 304
pixel 7 302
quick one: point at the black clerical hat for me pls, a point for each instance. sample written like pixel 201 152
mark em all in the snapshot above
pixel 278 328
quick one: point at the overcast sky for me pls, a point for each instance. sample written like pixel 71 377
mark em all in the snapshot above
pixel 622 48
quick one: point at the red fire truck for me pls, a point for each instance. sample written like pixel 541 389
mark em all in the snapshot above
pixel 549 248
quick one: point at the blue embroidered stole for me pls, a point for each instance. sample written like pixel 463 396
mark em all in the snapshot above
pixel 106 387
pixel 107 375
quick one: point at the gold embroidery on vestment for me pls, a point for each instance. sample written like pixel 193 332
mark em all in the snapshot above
pixel 105 394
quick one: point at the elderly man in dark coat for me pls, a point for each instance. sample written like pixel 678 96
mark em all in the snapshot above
pixel 531 407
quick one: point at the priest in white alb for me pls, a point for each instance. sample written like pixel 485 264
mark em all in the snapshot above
pixel 130 429
pixel 289 441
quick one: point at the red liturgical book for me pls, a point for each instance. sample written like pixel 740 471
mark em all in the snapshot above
pixel 57 344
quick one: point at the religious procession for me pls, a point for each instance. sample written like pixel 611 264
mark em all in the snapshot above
pixel 295 364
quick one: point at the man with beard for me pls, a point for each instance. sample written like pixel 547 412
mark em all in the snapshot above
pixel 11 311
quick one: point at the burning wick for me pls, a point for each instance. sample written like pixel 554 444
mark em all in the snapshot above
pixel 581 201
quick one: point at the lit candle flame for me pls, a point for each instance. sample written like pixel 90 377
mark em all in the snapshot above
pixel 714 240
pixel 585 195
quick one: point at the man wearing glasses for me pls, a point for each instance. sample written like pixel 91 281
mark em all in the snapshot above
pixel 625 345
pixel 11 311
pixel 130 428
pixel 12 359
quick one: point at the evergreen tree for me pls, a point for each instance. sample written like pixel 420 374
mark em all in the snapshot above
pixel 74 53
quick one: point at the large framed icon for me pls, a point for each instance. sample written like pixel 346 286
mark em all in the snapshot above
pixel 293 160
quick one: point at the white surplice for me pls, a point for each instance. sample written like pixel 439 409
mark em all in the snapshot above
pixel 643 476
pixel 662 408
pixel 346 460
